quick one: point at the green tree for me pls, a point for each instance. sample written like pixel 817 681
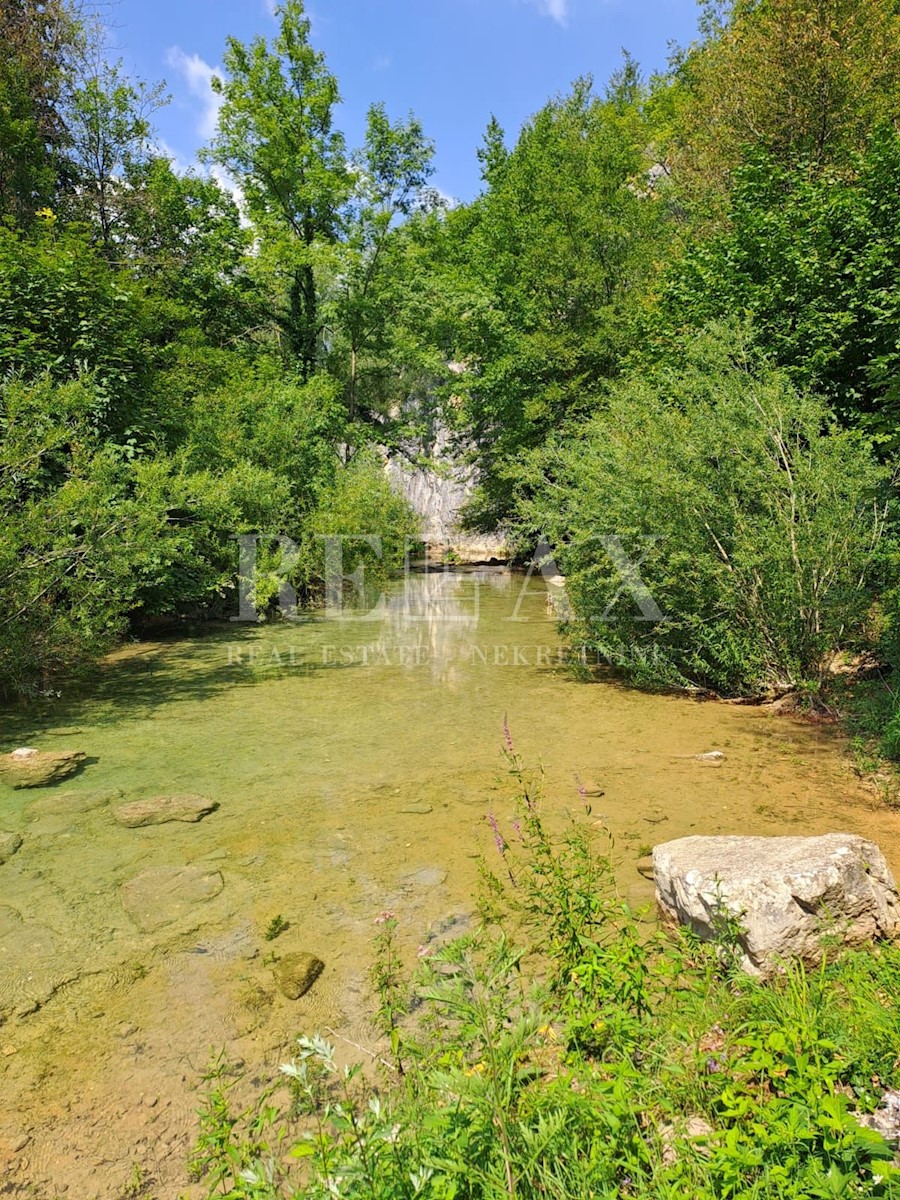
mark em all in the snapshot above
pixel 804 80
pixel 813 260
pixel 276 139
pixel 555 256
pixel 41 39
pixel 64 311
pixel 109 135
pixel 391 171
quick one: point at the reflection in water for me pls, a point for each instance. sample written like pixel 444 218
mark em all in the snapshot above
pixel 433 620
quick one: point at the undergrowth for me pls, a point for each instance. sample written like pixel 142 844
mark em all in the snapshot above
pixel 563 1050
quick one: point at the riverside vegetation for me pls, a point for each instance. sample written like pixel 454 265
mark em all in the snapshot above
pixel 671 316
pixel 561 1048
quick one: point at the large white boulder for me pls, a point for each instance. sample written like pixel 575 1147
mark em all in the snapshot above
pixel 784 893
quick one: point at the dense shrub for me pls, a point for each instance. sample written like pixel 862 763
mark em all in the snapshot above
pixel 760 515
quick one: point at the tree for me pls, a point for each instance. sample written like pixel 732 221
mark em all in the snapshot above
pixel 391 171
pixel 40 39
pixel 186 241
pixel 110 135
pixel 756 518
pixel 812 259
pixel 804 80
pixel 276 138
pixel 65 311
pixel 555 255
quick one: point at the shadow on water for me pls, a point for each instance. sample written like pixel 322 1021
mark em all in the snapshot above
pixel 136 682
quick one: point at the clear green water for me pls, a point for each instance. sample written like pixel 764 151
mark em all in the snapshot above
pixel 115 979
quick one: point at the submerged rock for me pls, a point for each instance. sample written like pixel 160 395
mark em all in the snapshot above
pixel 9 844
pixel 425 878
pixel 165 895
pixel 296 973
pixel 421 809
pixel 26 767
pixel 56 812
pixel 779 895
pixel 160 809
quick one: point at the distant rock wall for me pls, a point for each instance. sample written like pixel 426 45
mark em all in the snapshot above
pixel 438 495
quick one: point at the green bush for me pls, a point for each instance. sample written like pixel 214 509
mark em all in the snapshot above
pixel 760 517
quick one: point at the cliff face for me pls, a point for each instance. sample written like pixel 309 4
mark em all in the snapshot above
pixel 438 495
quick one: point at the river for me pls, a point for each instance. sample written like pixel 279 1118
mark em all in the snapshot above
pixel 354 762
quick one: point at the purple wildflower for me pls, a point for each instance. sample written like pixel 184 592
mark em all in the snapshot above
pixel 498 836
pixel 383 917
pixel 507 736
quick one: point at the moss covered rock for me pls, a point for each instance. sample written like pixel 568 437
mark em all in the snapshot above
pixel 296 973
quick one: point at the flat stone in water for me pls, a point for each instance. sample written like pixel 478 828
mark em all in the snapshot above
pixel 421 809
pixel 160 809
pixel 58 811
pixel 427 877
pixel 9 844
pixel 163 895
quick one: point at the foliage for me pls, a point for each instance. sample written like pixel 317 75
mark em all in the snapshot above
pixel 42 41
pixel 554 256
pixel 276 136
pixel 760 520
pixel 801 80
pixel 811 259
pixel 63 311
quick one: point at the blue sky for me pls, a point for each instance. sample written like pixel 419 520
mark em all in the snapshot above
pixel 452 62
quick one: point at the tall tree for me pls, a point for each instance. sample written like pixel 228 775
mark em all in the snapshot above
pixel 804 80
pixel 391 172
pixel 110 135
pixel 276 139
pixel 556 253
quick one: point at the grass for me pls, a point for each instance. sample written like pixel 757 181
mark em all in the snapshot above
pixel 559 1052
pixel 871 712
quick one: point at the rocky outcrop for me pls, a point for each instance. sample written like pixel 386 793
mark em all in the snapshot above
pixel 296 973
pixel 26 768
pixel 438 483
pixel 781 895
pixel 160 809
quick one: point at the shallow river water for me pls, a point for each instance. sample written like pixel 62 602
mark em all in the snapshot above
pixel 354 763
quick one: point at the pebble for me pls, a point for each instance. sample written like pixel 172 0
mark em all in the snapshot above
pixel 421 809
pixel 20 1143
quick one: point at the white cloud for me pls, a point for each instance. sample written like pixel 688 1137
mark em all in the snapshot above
pixel 198 74
pixel 557 9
